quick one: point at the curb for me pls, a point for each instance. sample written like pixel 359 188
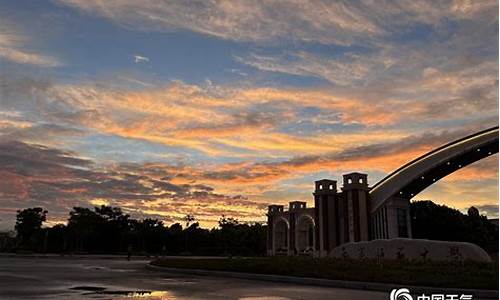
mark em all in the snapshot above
pixel 75 256
pixel 358 285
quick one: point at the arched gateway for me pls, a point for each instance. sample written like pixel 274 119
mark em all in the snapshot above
pixel 361 213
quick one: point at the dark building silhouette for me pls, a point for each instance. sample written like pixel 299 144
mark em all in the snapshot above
pixel 337 217
pixel 359 212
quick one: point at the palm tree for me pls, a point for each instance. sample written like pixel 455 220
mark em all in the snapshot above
pixel 188 218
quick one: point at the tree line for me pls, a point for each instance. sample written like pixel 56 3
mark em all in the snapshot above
pixel 440 222
pixel 107 229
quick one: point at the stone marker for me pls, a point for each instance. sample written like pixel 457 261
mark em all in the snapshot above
pixel 411 249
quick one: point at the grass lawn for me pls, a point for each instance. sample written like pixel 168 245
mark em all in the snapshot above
pixel 438 274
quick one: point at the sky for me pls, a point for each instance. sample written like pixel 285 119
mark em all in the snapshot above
pixel 211 108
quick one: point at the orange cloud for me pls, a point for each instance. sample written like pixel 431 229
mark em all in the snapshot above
pixel 246 125
pixel 211 121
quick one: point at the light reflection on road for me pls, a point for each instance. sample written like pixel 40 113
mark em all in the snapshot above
pixel 112 279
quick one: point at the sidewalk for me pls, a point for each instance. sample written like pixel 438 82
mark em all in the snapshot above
pixel 101 256
pixel 75 256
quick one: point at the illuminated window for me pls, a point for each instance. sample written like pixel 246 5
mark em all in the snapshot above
pixel 349 180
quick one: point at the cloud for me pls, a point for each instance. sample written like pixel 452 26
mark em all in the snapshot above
pixel 394 84
pixel 379 93
pixel 491 210
pixel 377 157
pixel 240 122
pixel 395 67
pixel 464 193
pixel 398 79
pixel 57 179
pixel 13 46
pixel 215 121
pixel 34 175
pixel 345 71
pixel 136 81
pixel 264 181
pixel 319 21
pixel 140 59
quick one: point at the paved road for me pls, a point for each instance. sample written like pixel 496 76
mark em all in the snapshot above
pixel 60 278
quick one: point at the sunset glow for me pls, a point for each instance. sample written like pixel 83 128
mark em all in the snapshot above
pixel 224 107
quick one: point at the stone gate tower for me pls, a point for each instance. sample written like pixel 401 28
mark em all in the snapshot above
pixel 326 205
pixel 355 193
pixel 337 218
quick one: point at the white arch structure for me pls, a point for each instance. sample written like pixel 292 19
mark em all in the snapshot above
pixel 415 176
pixel 360 213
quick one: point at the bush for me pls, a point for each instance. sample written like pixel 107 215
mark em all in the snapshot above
pixel 438 274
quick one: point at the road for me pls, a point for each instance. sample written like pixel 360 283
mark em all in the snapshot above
pixel 69 278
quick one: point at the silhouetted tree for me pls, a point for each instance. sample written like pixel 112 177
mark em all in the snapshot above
pixel 152 235
pixel 439 222
pixel 473 212
pixel 57 238
pixel 83 226
pixel 241 238
pixel 7 241
pixel 114 231
pixel 107 229
pixel 188 219
pixel 28 226
pixel 175 238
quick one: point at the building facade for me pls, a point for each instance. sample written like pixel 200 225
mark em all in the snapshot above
pixel 337 217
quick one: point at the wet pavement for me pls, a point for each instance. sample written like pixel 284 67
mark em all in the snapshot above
pixel 69 278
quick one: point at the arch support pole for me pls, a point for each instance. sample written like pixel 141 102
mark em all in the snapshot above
pixel 397 216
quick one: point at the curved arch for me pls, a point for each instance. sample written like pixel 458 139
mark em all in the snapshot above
pixel 307 217
pixel 415 176
pixel 282 219
pixel 304 234
pixel 281 239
